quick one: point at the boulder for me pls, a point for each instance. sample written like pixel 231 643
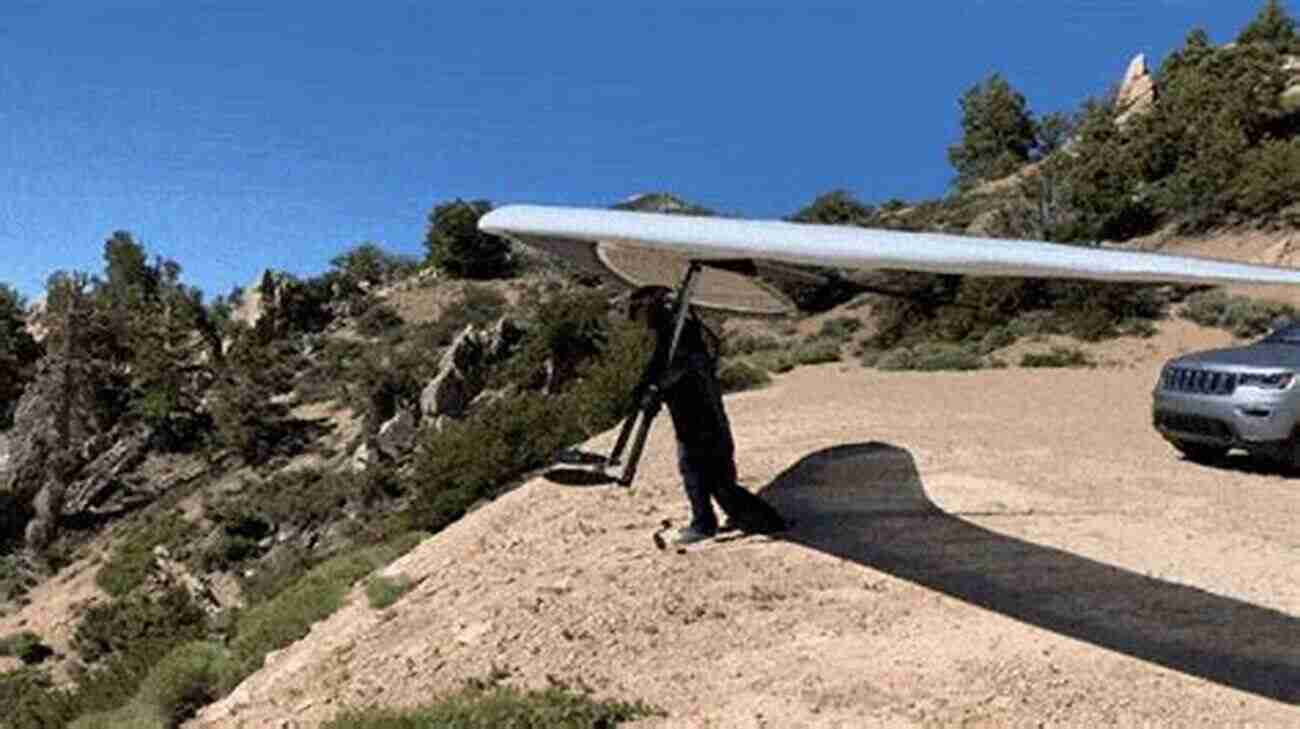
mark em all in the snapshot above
pixel 462 372
pixel 448 394
pixel 460 377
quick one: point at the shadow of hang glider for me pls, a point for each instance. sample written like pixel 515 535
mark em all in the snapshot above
pixel 866 503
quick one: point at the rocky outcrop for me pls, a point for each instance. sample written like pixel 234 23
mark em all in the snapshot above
pixel 462 373
pixel 1137 92
pixel 105 487
pixel 456 390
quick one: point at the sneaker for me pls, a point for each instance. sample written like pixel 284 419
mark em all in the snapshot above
pixel 691 535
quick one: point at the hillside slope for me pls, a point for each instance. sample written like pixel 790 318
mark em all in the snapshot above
pixel 1009 548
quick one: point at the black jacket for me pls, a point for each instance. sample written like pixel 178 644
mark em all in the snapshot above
pixel 689 387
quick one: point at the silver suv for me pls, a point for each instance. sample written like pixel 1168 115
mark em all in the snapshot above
pixel 1245 397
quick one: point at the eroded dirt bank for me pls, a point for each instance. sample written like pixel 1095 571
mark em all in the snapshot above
pixel 1009 548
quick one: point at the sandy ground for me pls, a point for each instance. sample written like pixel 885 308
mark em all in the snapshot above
pixel 1009 548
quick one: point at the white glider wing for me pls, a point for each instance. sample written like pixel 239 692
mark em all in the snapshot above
pixel 589 237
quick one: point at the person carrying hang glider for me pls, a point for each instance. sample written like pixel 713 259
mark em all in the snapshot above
pixel 634 246
pixel 688 384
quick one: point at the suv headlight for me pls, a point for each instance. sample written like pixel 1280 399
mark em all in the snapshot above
pixel 1270 381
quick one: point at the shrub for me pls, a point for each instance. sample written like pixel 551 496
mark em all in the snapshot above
pixel 839 328
pixel 138 625
pixel 369 264
pixel 479 707
pixel 384 591
pixel 1242 316
pixel 1057 357
pixel 930 358
pixel 739 375
pixel 31 701
pixel 378 320
pixel 778 361
pixel 750 344
pixel 817 351
pixel 192 676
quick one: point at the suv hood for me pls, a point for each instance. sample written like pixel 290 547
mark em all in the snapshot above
pixel 1271 356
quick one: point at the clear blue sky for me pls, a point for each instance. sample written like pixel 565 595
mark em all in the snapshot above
pixel 237 136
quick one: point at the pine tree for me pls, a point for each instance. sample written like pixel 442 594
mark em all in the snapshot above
pixel 18 353
pixel 457 246
pixel 998 133
pixel 1273 24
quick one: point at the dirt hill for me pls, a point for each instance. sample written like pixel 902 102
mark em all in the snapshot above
pixel 1008 548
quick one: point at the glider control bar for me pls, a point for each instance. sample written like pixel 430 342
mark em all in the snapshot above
pixel 645 412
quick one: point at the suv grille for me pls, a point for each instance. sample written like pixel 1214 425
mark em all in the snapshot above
pixel 1196 424
pixel 1206 382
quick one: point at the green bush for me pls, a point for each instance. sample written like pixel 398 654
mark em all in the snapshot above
pixel 839 328
pixel 1057 357
pixel 817 351
pixel 30 700
pixel 190 677
pixel 778 361
pixel 497 706
pixel 136 625
pixel 1242 316
pixel 930 358
pixel 739 375
pixel 384 591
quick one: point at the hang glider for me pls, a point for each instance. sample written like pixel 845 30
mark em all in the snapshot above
pixel 713 255
pixel 631 244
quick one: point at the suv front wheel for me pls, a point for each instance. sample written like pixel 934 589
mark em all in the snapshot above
pixel 1201 452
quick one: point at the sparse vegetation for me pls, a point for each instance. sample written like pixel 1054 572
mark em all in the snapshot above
pixel 287 617
pixel 383 591
pixel 489 707
pixel 1057 357
pixel 132 559
pixel 739 375
pixel 929 358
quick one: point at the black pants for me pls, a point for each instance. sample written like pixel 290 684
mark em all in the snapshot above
pixel 710 475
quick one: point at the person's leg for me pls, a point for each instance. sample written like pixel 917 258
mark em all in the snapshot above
pixel 696 481
pixel 745 511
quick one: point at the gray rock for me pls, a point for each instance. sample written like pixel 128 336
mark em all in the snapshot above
pixel 103 487
pixel 397 435
pixel 362 458
pixel 448 394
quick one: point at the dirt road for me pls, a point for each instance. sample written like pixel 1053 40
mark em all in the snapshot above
pixel 1010 548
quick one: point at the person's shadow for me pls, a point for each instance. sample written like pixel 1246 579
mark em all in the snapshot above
pixel 866 503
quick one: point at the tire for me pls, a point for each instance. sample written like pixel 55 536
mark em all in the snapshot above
pixel 1201 452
